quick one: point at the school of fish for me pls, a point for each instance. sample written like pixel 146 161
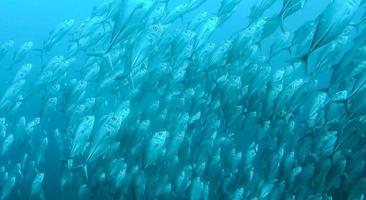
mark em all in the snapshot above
pixel 144 105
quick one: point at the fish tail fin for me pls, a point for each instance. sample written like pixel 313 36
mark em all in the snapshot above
pixel 259 44
pixel 325 90
pixel 76 41
pixel 281 22
pixel 297 59
pixel 84 169
pixel 108 59
pixel 288 49
pixel 345 103
pixel 131 82
pixel 316 69
pixel 282 26
pixel 303 60
pixel 104 55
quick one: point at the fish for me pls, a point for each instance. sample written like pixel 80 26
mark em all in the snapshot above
pixel 50 107
pixel 82 135
pixel 341 67
pixel 7 144
pixel 302 38
pixel 57 34
pixel 32 126
pixel 106 132
pixel 19 130
pixel 5 48
pixel 3 128
pixel 36 189
pixel 319 101
pixel 162 99
pixel 335 47
pixel 41 150
pixel 280 45
pixel 329 26
pixel 11 93
pixel 155 147
pixel 333 21
pixel 290 7
pixel 23 72
pixel 259 8
pixel 83 192
pixel 7 189
pixel 226 9
pixel 21 53
pixel 197 188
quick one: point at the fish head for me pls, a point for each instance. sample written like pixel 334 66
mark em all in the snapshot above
pixel 211 24
pixel 202 16
pixel 36 121
pixel 67 63
pixel 69 23
pixel 55 60
pixel 90 119
pixel 27 45
pixel 52 100
pixel 19 98
pixel 90 101
pixel 113 122
pixel 39 178
pixel 161 136
pixel 55 88
pixel 27 67
pixel 7 45
pixel 81 85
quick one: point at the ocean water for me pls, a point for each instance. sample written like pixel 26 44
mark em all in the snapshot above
pixel 137 99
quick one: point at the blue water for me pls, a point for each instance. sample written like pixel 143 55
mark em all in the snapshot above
pixel 24 20
pixel 32 20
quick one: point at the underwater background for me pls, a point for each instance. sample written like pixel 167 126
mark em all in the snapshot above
pixel 183 99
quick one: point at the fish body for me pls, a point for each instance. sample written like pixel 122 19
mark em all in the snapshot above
pixel 103 136
pixel 333 20
pixel 82 135
pixel 56 35
pixel 155 147
pixel 8 142
pixel 36 189
pixel 22 52
pixel 7 189
pixel 5 48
